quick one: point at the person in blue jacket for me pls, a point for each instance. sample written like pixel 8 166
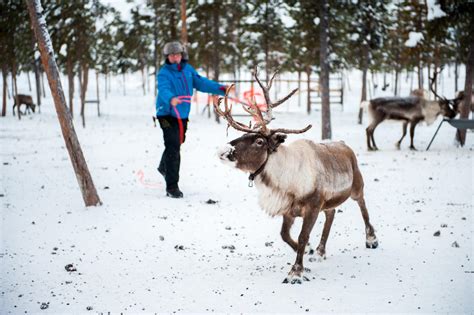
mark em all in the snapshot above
pixel 176 81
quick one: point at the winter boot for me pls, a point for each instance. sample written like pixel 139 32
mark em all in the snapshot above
pixel 174 193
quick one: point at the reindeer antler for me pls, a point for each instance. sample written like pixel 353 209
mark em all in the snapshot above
pixel 254 111
pixel 266 94
pixel 432 81
pixel 451 102
pixel 227 114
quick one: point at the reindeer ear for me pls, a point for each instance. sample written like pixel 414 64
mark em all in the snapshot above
pixel 278 138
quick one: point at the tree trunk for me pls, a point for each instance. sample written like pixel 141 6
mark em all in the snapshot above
pixel 466 104
pixel 172 22
pixel 42 81
pixel 84 83
pixel 456 75
pixel 105 84
pixel 365 68
pixel 36 72
pixel 15 91
pixel 110 82
pixel 216 53
pixel 37 81
pixel 324 78
pixel 208 104
pixel 428 66
pixel 142 70
pixel 97 89
pixel 5 89
pixel 155 41
pixel 147 72
pixel 70 77
pixel 184 32
pixel 299 88
pixel 124 89
pixel 89 193
pixel 420 74
pixel 308 74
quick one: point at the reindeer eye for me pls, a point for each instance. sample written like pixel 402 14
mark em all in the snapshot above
pixel 259 142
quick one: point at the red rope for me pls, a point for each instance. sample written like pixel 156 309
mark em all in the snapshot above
pixel 184 99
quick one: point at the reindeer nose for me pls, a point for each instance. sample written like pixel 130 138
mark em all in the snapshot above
pixel 226 153
pixel 231 156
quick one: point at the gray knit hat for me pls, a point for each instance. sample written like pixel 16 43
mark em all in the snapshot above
pixel 175 48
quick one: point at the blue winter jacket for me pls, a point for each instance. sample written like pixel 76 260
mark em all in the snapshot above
pixel 180 80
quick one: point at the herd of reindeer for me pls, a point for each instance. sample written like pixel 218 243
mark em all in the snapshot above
pixel 305 178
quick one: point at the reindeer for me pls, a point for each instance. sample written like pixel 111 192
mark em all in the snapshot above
pixel 27 100
pixel 412 109
pixel 301 179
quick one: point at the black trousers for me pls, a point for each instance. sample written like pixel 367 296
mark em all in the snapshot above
pixel 171 158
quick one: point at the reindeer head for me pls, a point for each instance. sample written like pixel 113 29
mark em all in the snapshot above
pixel 448 107
pixel 250 152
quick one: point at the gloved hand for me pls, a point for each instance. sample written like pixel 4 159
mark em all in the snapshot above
pixel 225 87
pixel 175 101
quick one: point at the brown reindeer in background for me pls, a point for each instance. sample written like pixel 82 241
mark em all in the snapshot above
pixel 301 179
pixel 412 109
pixel 27 100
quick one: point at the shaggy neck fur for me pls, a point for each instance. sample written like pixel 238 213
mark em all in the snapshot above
pixel 430 110
pixel 287 178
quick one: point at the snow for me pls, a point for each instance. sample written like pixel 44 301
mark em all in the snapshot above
pixel 434 10
pixel 124 7
pixel 143 252
pixel 43 29
pixel 413 39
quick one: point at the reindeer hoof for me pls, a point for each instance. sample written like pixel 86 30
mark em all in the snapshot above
pixel 295 280
pixel 320 255
pixel 372 243
pixel 295 276
pixel 413 148
pixel 308 250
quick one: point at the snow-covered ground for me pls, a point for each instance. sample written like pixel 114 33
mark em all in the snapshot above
pixel 143 252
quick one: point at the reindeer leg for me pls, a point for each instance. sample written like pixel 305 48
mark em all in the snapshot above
pixel 412 133
pixel 296 273
pixel 357 194
pixel 405 123
pixel 370 134
pixel 321 249
pixel 369 145
pixel 285 231
pixel 373 141
pixel 371 240
pixel 285 234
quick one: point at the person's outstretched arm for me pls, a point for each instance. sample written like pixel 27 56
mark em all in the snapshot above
pixel 205 85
